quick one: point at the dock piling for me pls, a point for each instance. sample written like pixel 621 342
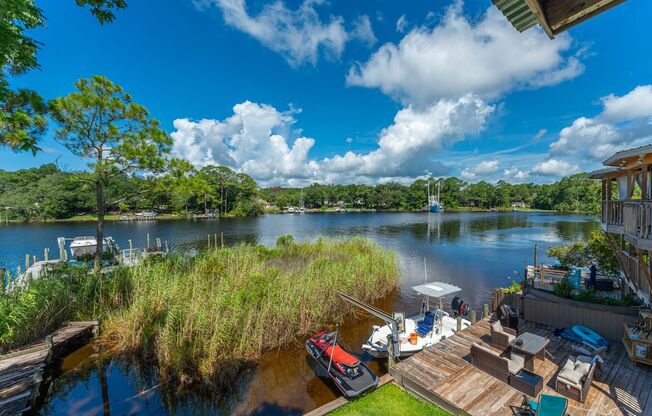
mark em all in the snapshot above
pixel 167 248
pixel 158 243
pixel 147 241
pixel 208 242
pixel 536 254
pixel 46 254
pixel 485 311
pixel 222 238
pixel 26 262
pixel 215 239
pixel 459 323
pixel 474 317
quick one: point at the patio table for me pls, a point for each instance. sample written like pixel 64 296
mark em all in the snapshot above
pixel 531 346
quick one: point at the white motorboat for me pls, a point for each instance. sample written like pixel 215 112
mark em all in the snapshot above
pixel 81 246
pixel 422 329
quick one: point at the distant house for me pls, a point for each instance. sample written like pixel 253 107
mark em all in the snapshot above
pixel 626 214
pixel 519 204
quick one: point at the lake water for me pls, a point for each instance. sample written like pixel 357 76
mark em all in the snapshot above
pixel 475 251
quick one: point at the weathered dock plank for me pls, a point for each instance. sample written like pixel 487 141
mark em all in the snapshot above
pixel 444 375
pixel 23 370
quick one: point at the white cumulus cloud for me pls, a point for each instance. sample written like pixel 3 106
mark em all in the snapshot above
pixel 554 167
pixel 515 175
pixel 299 35
pixel 625 121
pixel 481 170
pixel 256 140
pixel 487 58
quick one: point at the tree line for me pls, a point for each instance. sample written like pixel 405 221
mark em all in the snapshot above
pixel 47 192
pixel 576 193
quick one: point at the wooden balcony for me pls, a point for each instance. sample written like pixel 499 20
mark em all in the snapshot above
pixel 637 224
pixel 612 216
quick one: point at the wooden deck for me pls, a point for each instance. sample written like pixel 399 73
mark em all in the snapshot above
pixel 444 375
pixel 22 371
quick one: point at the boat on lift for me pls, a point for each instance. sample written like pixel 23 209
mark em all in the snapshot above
pixel 421 330
pixel 351 376
pixel 86 245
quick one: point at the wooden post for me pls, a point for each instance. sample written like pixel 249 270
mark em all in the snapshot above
pixel 46 254
pixel 390 353
pixel 209 242
pixel 35 259
pixel 26 262
pixel 158 243
pixel 167 248
pixel 222 238
pixel 215 236
pixel 131 247
pixel 18 271
pixel 62 249
pixel 485 311
pixel 459 323
pixel 536 254
pixel 147 241
pixel 48 341
pixel 474 317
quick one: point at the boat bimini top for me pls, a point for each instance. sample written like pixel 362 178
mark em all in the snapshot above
pixel 436 289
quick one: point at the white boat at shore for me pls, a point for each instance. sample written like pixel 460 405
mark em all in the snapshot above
pixel 87 245
pixel 422 329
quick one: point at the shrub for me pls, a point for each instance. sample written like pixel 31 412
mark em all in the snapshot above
pixel 564 288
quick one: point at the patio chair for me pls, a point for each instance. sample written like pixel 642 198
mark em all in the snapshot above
pixel 501 336
pixel 575 378
pixel 492 363
pixel 548 405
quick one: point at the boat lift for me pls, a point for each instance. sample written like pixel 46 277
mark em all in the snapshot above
pixel 393 339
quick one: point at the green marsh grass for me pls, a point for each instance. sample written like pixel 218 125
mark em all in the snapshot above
pixel 203 318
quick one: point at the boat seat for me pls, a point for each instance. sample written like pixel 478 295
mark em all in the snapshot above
pixel 425 325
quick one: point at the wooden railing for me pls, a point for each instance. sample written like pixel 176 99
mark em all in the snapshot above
pixel 636 274
pixel 637 216
pixel 612 212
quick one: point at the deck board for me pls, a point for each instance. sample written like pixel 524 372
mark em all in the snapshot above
pixel 444 375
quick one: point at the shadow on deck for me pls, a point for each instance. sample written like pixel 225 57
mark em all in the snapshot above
pixel 443 374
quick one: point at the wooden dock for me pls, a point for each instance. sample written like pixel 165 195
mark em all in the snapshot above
pixel 443 374
pixel 22 372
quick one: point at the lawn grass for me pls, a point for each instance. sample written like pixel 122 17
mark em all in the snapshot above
pixel 389 400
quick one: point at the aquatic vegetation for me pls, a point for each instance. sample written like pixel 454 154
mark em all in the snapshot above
pixel 212 314
pixel 205 317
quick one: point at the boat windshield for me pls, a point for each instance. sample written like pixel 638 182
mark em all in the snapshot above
pixel 436 289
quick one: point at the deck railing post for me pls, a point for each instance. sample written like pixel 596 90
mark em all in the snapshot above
pixel 390 353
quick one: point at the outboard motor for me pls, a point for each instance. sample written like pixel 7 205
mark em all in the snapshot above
pixel 459 307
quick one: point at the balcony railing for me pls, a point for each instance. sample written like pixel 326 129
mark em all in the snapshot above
pixel 612 212
pixel 637 219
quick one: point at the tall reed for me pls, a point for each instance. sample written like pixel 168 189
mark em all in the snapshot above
pixel 207 316
pixel 203 318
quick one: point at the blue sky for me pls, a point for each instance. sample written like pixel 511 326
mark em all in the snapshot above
pixel 364 91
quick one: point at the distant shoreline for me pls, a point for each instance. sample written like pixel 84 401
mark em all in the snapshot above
pixel 112 218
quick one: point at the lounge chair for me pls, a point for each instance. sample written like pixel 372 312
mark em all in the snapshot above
pixel 548 405
pixel 424 326
pixel 491 362
pixel 501 336
pixel 574 379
